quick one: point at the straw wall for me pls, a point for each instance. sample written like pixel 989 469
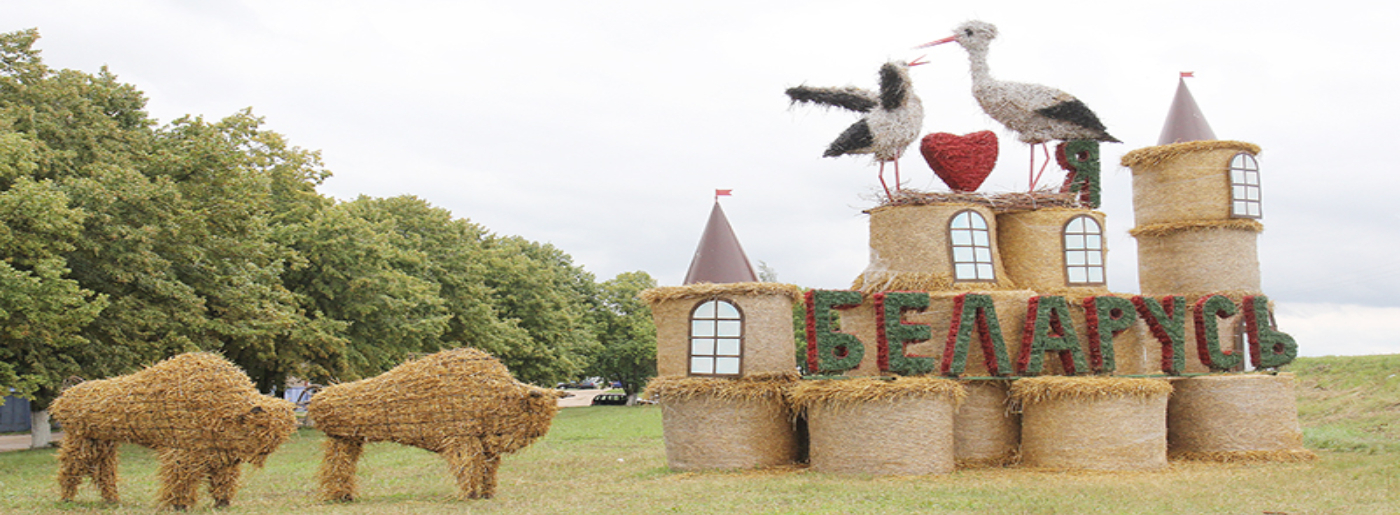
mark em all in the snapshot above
pixel 872 426
pixel 1011 314
pixel 1032 246
pixel 767 310
pixel 1195 262
pixel 1183 181
pixel 1235 418
pixel 1093 423
pixel 909 250
pixel 726 424
pixel 986 431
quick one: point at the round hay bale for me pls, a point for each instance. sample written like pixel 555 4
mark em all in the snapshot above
pixel 1183 181
pixel 880 427
pixel 986 431
pixel 1195 262
pixel 768 332
pixel 1247 417
pixel 711 424
pixel 1032 247
pixel 910 250
pixel 1093 423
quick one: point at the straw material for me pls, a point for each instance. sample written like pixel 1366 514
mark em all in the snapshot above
pixel 768 334
pixel 910 249
pixel 879 427
pixel 1092 423
pixel 1183 181
pixel 713 424
pixel 460 403
pixel 1011 315
pixel 1250 417
pixel 1032 245
pixel 1198 262
pixel 986 431
pixel 999 202
pixel 1170 228
pixel 712 290
pixel 201 413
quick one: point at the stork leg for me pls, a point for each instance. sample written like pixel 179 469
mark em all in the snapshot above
pixel 882 182
pixel 898 183
pixel 1034 175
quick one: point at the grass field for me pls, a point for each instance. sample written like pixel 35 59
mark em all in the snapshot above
pixel 611 460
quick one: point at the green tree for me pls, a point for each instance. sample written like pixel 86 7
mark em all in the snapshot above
pixel 626 333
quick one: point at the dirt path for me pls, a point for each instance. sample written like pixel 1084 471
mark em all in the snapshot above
pixel 579 397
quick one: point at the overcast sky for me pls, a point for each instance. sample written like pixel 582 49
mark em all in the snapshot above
pixel 605 127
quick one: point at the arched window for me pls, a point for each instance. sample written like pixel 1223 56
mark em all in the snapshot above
pixel 1244 187
pixel 971 245
pixel 1083 251
pixel 716 338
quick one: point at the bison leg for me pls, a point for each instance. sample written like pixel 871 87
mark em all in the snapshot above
pixel 467 460
pixel 180 472
pixel 81 457
pixel 223 481
pixel 486 478
pixel 337 475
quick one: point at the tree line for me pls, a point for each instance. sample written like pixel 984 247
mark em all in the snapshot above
pixel 124 242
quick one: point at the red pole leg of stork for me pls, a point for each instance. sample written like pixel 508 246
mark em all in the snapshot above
pixel 882 180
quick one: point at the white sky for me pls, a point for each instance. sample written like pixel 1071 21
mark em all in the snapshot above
pixel 604 127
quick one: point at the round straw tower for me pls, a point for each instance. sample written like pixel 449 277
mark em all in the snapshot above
pixel 715 424
pixel 1249 417
pixel 1093 423
pixel 881 427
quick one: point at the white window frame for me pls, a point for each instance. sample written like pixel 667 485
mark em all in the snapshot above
pixel 1245 200
pixel 970 247
pixel 1084 251
pixel 716 342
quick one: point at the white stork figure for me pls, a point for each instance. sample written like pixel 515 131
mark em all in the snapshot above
pixel 893 118
pixel 1036 113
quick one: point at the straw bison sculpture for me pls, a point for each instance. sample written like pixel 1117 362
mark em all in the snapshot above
pixel 205 418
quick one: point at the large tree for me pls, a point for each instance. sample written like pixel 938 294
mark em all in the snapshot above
pixel 625 332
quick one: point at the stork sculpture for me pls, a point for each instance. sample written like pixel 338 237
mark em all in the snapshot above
pixel 1037 113
pixel 893 118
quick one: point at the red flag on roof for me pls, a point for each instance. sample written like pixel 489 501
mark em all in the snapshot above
pixel 1188 74
pixel 723 193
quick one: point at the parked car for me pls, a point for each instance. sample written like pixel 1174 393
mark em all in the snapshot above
pixel 610 399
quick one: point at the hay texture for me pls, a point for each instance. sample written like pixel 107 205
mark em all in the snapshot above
pixel 1093 423
pixel 1196 262
pixel 767 344
pixel 715 424
pixel 1251 417
pixel 1032 247
pixel 910 250
pixel 462 404
pixel 986 430
pixel 198 410
pixel 899 427
pixel 1183 181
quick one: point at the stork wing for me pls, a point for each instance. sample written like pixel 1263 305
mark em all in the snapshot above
pixel 849 97
pixel 1074 111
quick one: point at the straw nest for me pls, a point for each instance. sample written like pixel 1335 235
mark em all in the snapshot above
pixel 1235 418
pixel 200 412
pixel 1034 390
pixel 709 290
pixel 1156 156
pixel 875 281
pixel 849 423
pixel 869 390
pixel 986 430
pixel 462 404
pixel 754 387
pixel 711 424
pixel 1000 202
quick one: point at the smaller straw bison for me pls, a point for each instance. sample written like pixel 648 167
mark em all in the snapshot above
pixel 462 404
pixel 199 411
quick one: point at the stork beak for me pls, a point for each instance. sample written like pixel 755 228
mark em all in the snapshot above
pixel 948 39
pixel 917 61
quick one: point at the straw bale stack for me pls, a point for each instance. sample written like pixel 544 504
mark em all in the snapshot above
pixel 1032 247
pixel 462 404
pixel 1251 417
pixel 1183 181
pixel 200 412
pixel 910 250
pixel 767 311
pixel 1199 258
pixel 714 424
pixel 1093 423
pixel 881 427
pixel 986 430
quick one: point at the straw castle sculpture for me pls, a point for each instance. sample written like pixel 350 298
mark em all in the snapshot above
pixel 199 411
pixel 983 333
pixel 462 404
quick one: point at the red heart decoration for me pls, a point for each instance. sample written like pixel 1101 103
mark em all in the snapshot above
pixel 963 162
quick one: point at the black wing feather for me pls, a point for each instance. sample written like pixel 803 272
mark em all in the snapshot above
pixel 1077 113
pixel 846 98
pixel 855 138
pixel 893 88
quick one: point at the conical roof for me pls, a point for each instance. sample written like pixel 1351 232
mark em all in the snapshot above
pixel 1185 121
pixel 719 258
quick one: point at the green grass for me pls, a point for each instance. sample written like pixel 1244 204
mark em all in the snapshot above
pixel 611 460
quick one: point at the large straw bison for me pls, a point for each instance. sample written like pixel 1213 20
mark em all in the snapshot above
pixel 200 412
pixel 462 404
